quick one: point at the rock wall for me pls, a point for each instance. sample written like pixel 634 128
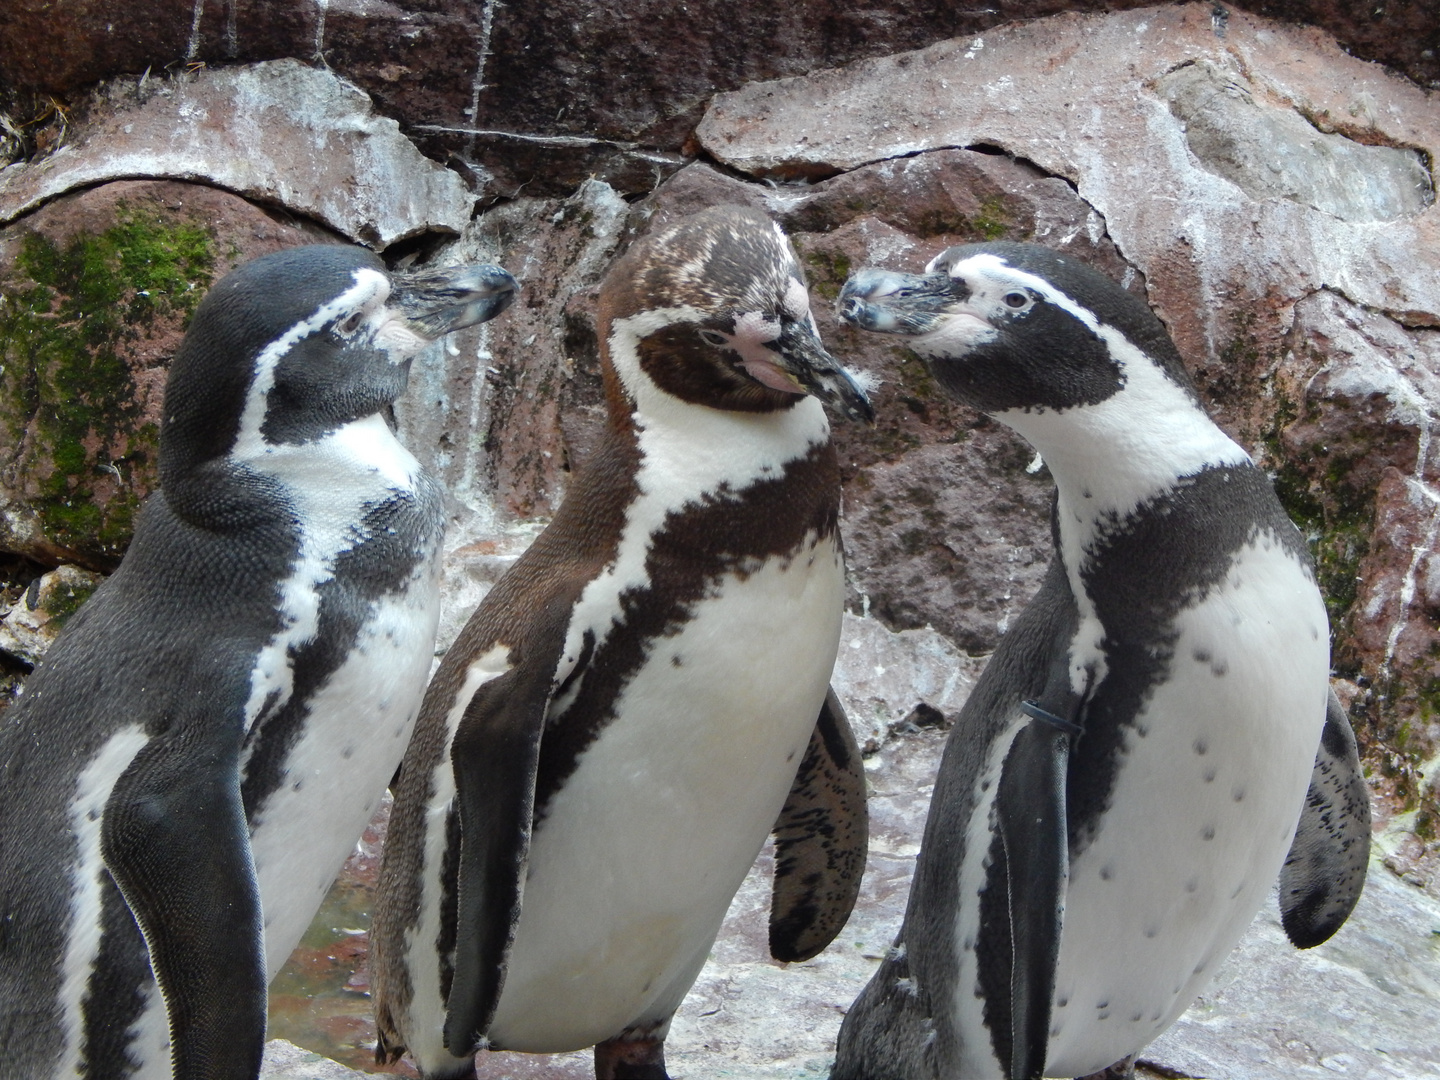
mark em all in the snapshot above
pixel 1268 192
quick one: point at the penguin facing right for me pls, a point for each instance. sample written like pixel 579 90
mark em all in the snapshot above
pixel 1123 785
pixel 643 697
pixel 188 767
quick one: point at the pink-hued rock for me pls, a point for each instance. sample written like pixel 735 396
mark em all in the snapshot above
pixel 280 133
pixel 99 285
pixel 534 98
pixel 1274 198
pixel 1077 96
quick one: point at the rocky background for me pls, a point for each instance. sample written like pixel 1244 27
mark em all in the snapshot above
pixel 1262 174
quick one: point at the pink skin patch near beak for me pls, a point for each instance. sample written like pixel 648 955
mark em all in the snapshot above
pixel 762 371
pixel 753 332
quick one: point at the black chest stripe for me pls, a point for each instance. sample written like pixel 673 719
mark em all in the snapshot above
pixel 1160 560
pixel 725 533
pixel 395 534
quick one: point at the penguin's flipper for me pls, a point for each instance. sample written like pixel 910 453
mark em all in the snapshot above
pixel 174 839
pixel 821 838
pixel 495 754
pixel 1021 911
pixel 1325 869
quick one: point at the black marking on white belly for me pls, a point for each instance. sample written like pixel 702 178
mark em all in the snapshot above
pixel 1141 573
pixel 723 533
pixel 397 533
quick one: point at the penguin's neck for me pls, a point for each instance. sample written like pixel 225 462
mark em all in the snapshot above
pixel 694 450
pixel 1110 458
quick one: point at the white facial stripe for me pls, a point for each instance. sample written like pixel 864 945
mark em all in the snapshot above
pixel 991 277
pixel 688 451
pixel 370 286
pixel 626 335
pixel 796 302
pixel 82 945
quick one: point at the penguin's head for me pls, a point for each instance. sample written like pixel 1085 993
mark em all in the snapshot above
pixel 293 345
pixel 713 310
pixel 1007 326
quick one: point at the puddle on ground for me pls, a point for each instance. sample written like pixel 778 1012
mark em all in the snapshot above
pixel 321 998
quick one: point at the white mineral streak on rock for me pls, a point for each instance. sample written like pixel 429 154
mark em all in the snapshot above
pixel 279 132
pixel 1372 358
pixel 487 24
pixel 1082 103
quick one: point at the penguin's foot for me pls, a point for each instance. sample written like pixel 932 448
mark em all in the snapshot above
pixel 1121 1070
pixel 631 1058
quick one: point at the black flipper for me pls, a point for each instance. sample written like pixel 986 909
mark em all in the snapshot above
pixel 1031 857
pixel 1022 910
pixel 903 1026
pixel 495 754
pixel 175 841
pixel 1325 870
pixel 821 837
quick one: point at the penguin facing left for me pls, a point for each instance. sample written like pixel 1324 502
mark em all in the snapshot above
pixel 643 697
pixel 1120 791
pixel 209 735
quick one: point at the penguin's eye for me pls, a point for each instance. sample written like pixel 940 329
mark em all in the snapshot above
pixel 1016 299
pixel 714 337
pixel 350 325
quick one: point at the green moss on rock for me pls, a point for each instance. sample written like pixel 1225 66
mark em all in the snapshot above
pixel 65 329
pixel 1338 531
pixel 828 272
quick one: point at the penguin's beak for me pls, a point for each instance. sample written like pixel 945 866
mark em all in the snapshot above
pixel 438 302
pixel 892 303
pixel 801 357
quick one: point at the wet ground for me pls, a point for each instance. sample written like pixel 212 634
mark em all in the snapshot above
pixel 1365 1005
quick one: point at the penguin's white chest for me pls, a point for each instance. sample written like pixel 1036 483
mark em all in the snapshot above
pixel 639 853
pixel 358 725
pixel 1202 813
pixel 359 717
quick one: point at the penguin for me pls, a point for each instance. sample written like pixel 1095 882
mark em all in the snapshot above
pixel 1125 782
pixel 643 697
pixel 191 763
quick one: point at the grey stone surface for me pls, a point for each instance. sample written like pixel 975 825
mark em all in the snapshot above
pixel 1277 153
pixel 286 1061
pixel 882 676
pixel 278 132
pixel 1364 1005
pixel 29 626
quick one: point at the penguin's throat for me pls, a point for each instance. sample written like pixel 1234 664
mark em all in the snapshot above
pixel 1109 458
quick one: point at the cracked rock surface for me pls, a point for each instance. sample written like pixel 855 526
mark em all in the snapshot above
pixel 1270 195
pixel 1213 154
